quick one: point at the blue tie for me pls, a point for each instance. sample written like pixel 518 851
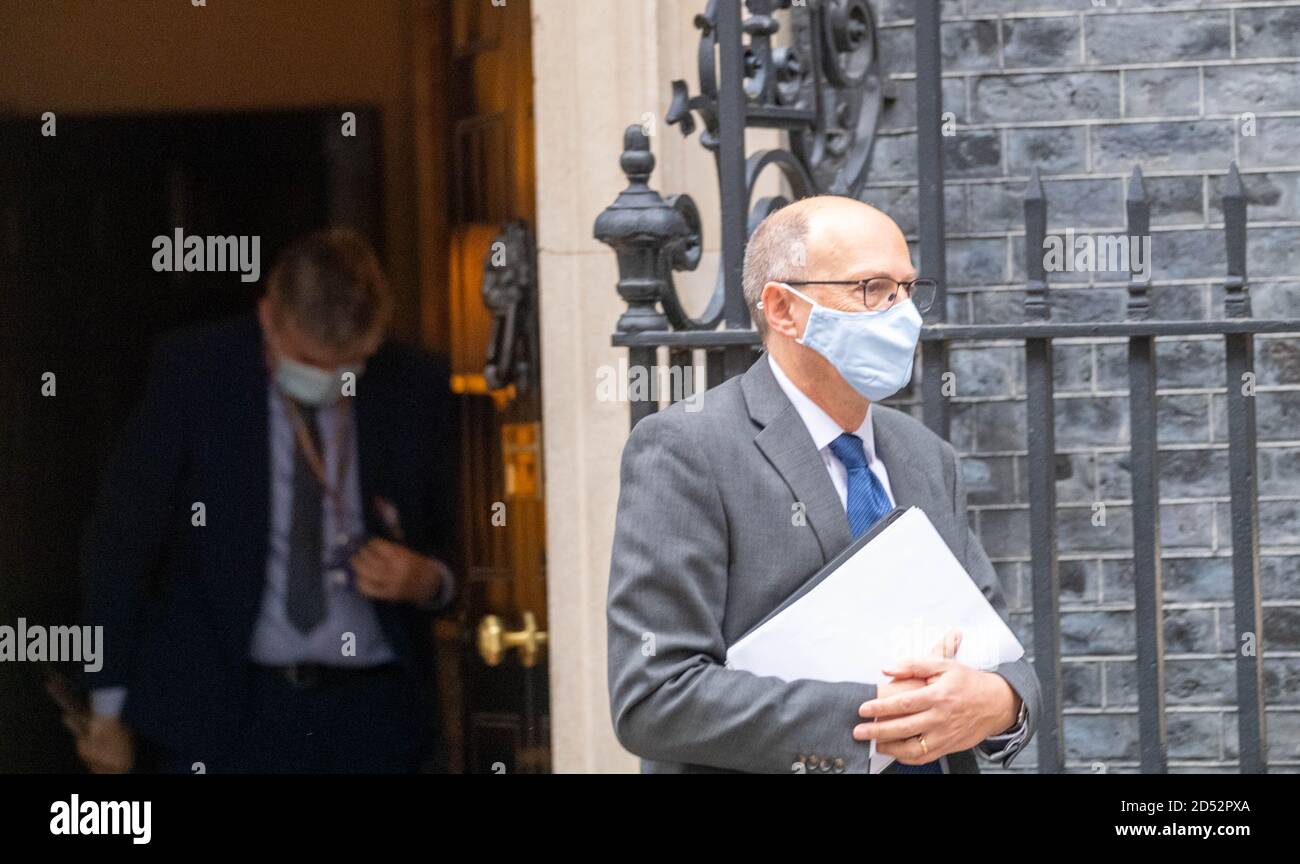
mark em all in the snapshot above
pixel 867 500
pixel 867 503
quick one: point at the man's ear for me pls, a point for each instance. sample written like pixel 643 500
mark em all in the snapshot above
pixel 264 313
pixel 270 335
pixel 774 303
pixel 373 341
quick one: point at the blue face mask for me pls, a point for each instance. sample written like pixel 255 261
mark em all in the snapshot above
pixel 873 351
pixel 310 385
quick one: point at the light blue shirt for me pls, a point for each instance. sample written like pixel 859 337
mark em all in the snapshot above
pixel 350 620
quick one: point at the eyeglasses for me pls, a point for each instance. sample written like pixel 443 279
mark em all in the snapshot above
pixel 880 292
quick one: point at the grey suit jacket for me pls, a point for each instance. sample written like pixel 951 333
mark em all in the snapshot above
pixel 705 546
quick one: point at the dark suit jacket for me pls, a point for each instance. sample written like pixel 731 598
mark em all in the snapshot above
pixel 178 602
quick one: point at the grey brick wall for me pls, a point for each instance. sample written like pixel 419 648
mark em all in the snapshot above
pixel 1084 92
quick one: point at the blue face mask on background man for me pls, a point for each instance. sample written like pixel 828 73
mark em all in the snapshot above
pixel 873 351
pixel 310 385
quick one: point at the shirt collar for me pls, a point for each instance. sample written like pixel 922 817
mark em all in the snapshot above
pixel 821 427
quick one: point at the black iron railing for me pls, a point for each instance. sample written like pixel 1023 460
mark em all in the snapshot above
pixel 1037 333
pixel 803 88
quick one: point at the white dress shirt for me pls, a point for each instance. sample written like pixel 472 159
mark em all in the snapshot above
pixel 824 430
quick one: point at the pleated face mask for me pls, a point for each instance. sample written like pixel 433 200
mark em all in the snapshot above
pixel 310 385
pixel 873 351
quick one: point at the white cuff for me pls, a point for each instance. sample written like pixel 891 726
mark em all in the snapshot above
pixel 107 701
pixel 1002 748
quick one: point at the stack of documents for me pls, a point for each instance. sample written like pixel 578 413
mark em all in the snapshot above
pixel 890 595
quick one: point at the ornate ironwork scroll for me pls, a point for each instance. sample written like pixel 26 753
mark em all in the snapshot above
pixel 822 84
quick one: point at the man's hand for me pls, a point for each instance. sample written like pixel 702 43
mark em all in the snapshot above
pixel 945 647
pixel 892 688
pixel 390 571
pixel 957 708
pixel 106 746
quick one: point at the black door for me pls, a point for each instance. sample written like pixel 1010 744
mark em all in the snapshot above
pixel 79 298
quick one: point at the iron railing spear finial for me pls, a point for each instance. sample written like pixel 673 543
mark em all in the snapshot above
pixel 1138 208
pixel 1236 301
pixel 1036 305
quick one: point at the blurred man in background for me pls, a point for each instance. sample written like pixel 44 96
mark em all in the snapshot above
pixel 267 550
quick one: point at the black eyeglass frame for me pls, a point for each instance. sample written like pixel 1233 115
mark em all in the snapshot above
pixel 909 284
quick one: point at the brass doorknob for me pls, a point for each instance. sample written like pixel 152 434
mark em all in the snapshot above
pixel 494 640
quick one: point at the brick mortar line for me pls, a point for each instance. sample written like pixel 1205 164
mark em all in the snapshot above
pixel 1123 449
pixel 1159 174
pixel 1080 605
pixel 1181 552
pixel 1086 122
pixel 1232 34
pixel 1196 281
pixel 1125 557
pixel 1107 68
pixel 1180 501
pixel 1082 659
pixel 1085 341
pixel 1114 394
pixel 1113 229
pixel 1264 552
pixel 1089 12
pixel 1190 282
pixel 1184 658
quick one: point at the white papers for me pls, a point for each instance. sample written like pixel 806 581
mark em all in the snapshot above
pixel 894 599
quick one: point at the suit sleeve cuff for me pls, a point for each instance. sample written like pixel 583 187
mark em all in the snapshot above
pixel 443 596
pixel 1003 747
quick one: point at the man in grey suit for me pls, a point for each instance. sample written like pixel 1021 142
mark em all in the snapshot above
pixel 730 501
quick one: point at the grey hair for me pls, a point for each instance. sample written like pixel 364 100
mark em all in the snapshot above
pixel 777 250
pixel 331 284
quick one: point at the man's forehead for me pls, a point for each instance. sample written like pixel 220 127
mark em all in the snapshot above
pixel 852 219
pixel 307 349
pixel 857 239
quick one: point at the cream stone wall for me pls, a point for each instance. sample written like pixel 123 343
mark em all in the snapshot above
pixel 598 68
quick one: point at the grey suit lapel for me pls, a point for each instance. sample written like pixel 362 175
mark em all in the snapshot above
pixel 785 441
pixel 906 479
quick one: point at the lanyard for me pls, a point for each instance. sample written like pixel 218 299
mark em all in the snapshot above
pixel 316 460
